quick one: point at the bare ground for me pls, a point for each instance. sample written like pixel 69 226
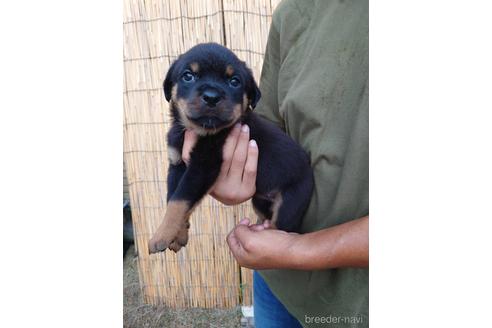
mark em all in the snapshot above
pixel 136 314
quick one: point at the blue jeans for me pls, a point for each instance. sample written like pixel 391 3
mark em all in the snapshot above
pixel 269 312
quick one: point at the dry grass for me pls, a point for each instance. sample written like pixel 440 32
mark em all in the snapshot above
pixel 137 314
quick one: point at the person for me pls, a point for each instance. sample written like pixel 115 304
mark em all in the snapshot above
pixel 314 86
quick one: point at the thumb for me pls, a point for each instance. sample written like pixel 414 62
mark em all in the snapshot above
pixel 234 244
pixel 244 236
pixel 244 221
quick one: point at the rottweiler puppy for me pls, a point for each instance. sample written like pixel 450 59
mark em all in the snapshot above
pixel 210 90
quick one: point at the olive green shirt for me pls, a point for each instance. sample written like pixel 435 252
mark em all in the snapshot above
pixel 314 85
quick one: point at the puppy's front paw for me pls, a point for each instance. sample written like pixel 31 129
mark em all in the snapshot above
pixel 158 244
pixel 180 241
pixel 169 239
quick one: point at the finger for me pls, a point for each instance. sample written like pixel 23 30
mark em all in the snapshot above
pixel 257 227
pixel 234 245
pixel 240 154
pixel 228 148
pixel 244 221
pixel 244 236
pixel 190 139
pixel 249 174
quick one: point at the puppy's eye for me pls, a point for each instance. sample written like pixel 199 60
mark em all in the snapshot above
pixel 188 76
pixel 234 82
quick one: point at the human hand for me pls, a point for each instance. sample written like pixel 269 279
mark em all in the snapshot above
pixel 345 245
pixel 257 246
pixel 236 182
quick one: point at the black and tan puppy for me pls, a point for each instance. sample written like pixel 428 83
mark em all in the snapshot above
pixel 209 90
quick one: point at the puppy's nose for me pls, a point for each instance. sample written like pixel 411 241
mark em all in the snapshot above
pixel 211 97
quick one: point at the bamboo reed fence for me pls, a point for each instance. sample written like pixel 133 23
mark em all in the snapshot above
pixel 204 274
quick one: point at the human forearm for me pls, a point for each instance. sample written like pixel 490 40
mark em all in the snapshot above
pixel 260 247
pixel 343 245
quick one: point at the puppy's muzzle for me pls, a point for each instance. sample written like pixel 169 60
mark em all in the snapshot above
pixel 211 97
pixel 208 122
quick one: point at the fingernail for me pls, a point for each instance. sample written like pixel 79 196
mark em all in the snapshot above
pixel 253 144
pixel 244 221
pixel 237 125
pixel 245 128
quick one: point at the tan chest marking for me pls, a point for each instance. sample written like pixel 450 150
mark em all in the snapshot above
pixel 173 155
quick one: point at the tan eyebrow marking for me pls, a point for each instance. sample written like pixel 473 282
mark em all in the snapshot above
pixel 229 70
pixel 194 67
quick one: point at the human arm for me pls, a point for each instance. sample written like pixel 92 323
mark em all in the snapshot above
pixel 259 247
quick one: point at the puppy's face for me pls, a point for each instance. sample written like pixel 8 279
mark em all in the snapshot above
pixel 210 88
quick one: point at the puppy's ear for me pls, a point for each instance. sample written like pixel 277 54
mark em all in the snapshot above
pixel 254 93
pixel 168 81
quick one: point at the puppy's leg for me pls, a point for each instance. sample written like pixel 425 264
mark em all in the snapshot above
pixel 174 175
pixel 194 184
pixel 176 170
pixel 262 207
pixel 290 205
pixel 175 139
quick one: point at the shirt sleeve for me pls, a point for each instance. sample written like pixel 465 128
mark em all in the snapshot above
pixel 268 106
